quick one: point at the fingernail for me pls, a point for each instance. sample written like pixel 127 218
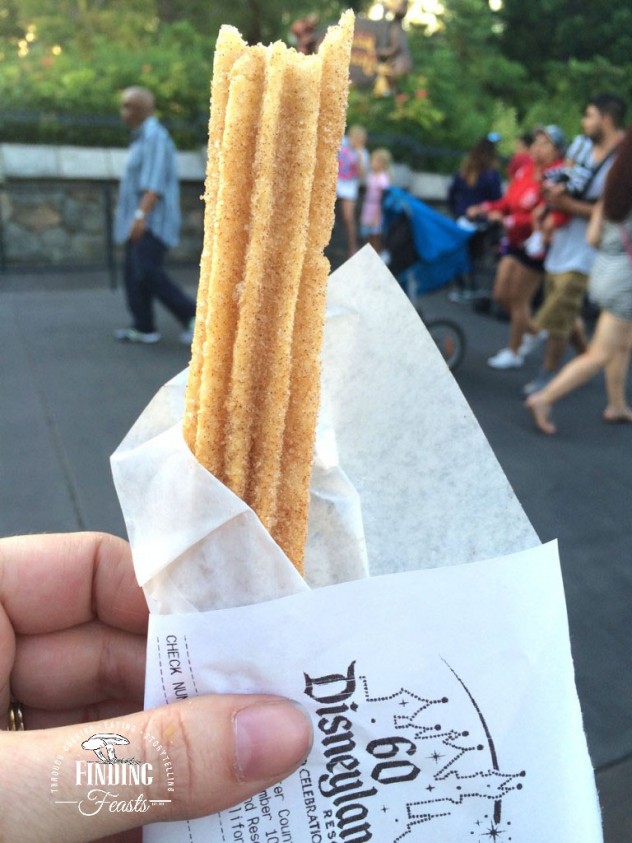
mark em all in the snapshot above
pixel 271 739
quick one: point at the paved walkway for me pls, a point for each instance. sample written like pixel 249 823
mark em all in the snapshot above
pixel 69 393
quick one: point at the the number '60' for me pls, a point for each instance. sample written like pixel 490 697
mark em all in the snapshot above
pixel 389 772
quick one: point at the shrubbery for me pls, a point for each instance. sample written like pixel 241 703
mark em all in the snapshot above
pixel 462 87
pixel 68 98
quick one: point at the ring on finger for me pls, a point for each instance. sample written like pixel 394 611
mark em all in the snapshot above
pixel 16 717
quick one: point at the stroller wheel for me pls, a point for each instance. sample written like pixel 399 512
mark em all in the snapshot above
pixel 449 339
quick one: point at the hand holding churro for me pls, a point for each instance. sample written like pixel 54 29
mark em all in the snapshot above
pixel 277 118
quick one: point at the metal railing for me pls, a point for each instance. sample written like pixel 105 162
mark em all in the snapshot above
pixel 30 126
pixel 53 127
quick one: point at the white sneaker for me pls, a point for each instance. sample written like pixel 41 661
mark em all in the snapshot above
pixel 132 335
pixel 186 336
pixel 532 341
pixel 505 359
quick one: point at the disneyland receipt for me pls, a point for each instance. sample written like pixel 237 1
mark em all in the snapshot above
pixel 443 704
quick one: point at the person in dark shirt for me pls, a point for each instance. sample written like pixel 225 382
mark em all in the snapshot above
pixel 477 180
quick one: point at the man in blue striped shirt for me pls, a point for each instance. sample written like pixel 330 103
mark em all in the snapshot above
pixel 147 221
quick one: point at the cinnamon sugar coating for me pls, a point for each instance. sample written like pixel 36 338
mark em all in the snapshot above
pixel 277 119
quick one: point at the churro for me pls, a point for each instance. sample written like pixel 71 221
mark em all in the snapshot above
pixel 277 120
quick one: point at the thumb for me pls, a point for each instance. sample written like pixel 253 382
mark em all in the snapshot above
pixel 181 761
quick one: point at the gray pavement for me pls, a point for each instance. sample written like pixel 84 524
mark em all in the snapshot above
pixel 69 393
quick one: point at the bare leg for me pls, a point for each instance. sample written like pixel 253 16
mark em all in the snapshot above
pixel 541 413
pixel 553 352
pixel 578 337
pixel 525 285
pixel 376 241
pixel 531 327
pixel 513 291
pixel 617 408
pixel 502 282
pixel 347 208
pixel 610 336
pixel 574 374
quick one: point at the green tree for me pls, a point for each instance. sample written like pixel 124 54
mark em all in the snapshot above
pixel 10 29
pixel 74 24
pixel 543 31
pixel 479 71
pixel 132 21
pixel 570 85
pixel 81 53
pixel 477 88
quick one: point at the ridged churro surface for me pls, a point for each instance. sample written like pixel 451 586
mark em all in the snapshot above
pixel 277 120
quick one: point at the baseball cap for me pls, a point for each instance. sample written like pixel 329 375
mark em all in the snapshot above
pixel 554 134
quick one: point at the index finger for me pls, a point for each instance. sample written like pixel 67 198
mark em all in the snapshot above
pixel 53 582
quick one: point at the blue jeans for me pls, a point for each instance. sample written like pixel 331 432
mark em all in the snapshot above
pixel 146 280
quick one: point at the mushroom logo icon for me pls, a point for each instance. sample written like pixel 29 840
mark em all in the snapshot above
pixel 107 741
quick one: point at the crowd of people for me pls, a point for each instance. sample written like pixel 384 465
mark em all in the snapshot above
pixel 519 274
pixel 562 238
pixel 609 232
pixel 565 235
pixel 553 191
pixel 355 168
pixel 553 222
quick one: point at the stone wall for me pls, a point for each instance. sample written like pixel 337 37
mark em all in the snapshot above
pixel 67 223
pixel 54 223
pixel 56 204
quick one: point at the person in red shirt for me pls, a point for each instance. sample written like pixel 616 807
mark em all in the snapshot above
pixel 521 155
pixel 519 275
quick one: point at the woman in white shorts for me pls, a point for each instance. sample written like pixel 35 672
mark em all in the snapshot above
pixel 353 162
pixel 610 287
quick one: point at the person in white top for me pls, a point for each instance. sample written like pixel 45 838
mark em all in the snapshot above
pixel 610 231
pixel 353 163
pixel 570 256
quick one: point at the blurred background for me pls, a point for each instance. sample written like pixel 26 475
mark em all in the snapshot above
pixel 472 66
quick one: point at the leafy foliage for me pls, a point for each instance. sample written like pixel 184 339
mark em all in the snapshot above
pixel 460 90
pixel 174 63
pixel 539 33
pixel 63 64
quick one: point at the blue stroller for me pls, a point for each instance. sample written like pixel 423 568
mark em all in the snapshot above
pixel 427 250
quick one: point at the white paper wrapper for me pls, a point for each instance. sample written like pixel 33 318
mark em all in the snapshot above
pixel 395 433
pixel 443 704
pixel 404 479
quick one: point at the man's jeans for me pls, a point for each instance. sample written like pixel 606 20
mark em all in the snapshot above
pixel 146 280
